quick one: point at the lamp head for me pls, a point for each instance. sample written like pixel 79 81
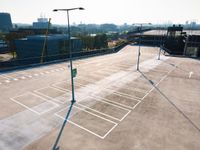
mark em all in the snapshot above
pixel 81 8
pixel 55 10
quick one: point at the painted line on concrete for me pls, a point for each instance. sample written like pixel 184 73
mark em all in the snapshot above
pixel 35 74
pixel 25 106
pixel 190 74
pixel 7 81
pixel 124 95
pixel 22 77
pixel 53 99
pixel 128 111
pixel 165 76
pixel 126 106
pixel 127 95
pixel 5 76
pixel 102 137
pixel 29 108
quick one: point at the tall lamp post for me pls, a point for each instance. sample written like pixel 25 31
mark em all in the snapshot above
pixel 72 77
pixel 138 60
pixel 70 49
pixel 140 39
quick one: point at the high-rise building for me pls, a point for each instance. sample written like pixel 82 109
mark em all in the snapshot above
pixel 5 22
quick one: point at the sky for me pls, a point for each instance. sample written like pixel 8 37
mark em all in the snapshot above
pixel 104 11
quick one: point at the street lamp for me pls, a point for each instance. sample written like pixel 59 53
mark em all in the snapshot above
pixel 72 77
pixel 138 60
pixel 139 53
pixel 70 50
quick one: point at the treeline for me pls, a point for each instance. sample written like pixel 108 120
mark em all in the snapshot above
pixel 94 42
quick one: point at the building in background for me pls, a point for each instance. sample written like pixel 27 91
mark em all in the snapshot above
pixel 42 23
pixel 5 22
pixel 32 48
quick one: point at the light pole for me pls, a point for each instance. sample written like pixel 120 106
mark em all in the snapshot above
pixel 140 39
pixel 138 60
pixel 161 40
pixel 72 77
pixel 70 50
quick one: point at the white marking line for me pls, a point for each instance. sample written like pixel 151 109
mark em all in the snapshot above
pixel 158 82
pixel 36 74
pixel 124 95
pixel 53 99
pixel 102 137
pixel 7 81
pixel 104 113
pixel 41 73
pixel 127 95
pixel 5 76
pixel 22 77
pixel 15 79
pixel 25 106
pixel 190 74
pixel 126 106
pixel 55 105
pixel 47 72
pixel 55 86
pixel 30 76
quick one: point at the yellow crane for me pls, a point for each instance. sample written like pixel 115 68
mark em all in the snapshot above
pixel 44 50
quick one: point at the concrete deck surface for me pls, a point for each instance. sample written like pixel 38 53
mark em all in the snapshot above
pixel 117 106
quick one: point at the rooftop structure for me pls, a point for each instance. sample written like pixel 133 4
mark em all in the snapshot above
pixel 117 107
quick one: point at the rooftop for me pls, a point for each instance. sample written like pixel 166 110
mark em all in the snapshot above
pixel 117 107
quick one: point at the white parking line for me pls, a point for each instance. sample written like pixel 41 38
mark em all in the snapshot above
pixel 127 95
pixel 7 81
pixel 56 99
pixel 5 76
pixel 22 77
pixel 128 111
pixel 25 106
pixel 190 74
pixel 102 137
pixel 159 82
pixel 31 109
pixel 126 106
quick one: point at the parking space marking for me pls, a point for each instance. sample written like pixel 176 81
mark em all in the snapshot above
pixel 35 74
pixel 62 98
pixel 190 74
pixel 23 77
pixel 7 81
pixel 5 76
pixel 84 128
pixel 32 108
pixel 165 76
pixel 96 99
pixel 126 106
pixel 66 85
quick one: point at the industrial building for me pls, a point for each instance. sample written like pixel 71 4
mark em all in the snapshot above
pixel 5 22
pixel 42 23
pixel 33 48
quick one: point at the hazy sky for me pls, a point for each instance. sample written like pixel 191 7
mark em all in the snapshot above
pixel 104 11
